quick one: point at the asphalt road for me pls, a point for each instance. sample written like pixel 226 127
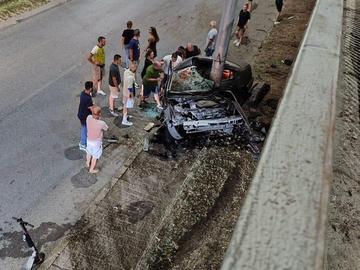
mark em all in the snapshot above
pixel 42 71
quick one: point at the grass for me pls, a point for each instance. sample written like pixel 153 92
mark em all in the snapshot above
pixel 10 8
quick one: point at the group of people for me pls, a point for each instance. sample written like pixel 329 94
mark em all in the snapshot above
pixel 92 127
pixel 245 15
pixel 154 76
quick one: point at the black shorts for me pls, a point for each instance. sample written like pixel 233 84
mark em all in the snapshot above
pixel 279 5
pixel 151 89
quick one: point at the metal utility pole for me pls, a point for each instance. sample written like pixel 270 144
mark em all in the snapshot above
pixel 222 41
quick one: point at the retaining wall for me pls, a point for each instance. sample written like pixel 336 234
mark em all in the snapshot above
pixel 282 223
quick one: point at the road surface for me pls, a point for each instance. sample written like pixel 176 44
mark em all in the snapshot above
pixel 42 71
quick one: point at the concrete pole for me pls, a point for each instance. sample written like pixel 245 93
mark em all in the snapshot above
pixel 223 40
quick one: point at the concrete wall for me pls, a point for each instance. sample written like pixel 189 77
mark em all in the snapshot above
pixel 282 223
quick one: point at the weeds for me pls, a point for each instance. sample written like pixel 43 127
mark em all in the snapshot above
pixel 10 8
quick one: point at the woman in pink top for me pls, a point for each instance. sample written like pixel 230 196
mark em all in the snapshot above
pixel 95 130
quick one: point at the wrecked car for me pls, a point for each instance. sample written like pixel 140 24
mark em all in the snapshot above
pixel 194 105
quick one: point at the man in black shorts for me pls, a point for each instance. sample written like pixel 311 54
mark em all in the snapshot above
pixel 244 17
pixel 279 6
pixel 151 83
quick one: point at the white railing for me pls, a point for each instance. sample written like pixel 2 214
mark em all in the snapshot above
pixel 282 222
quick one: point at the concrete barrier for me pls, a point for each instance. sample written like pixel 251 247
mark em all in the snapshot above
pixel 282 223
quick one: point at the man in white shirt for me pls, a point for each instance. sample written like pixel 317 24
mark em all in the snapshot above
pixel 128 92
pixel 169 63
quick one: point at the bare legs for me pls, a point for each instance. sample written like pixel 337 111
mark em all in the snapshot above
pixel 125 120
pixel 111 103
pixel 91 163
pixel 157 99
pixel 98 84
pixel 239 36
pixel 99 90
pixel 277 20
pixel 142 93
pixel 125 112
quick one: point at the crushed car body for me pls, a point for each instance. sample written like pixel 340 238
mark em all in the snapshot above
pixel 194 105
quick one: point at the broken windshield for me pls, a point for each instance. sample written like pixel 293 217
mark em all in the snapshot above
pixel 189 80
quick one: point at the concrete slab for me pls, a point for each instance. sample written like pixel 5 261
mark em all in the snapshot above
pixel 282 223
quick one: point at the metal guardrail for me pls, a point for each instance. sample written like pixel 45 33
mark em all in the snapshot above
pixel 282 222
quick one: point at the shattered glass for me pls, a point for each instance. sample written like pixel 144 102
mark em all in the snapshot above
pixel 189 80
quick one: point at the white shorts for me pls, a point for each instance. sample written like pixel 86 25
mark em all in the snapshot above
pixel 94 148
pixel 114 91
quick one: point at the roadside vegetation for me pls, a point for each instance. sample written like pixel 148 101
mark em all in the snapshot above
pixel 10 8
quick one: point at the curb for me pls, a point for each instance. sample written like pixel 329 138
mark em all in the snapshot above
pixel 31 13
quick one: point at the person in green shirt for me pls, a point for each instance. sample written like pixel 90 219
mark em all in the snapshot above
pixel 151 83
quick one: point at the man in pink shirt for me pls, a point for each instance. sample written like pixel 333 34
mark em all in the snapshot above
pixel 95 131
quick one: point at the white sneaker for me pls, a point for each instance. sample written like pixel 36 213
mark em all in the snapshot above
pixel 276 22
pixel 235 41
pixel 101 92
pixel 126 123
pixel 160 107
pixel 238 43
pixel 113 113
pixel 82 147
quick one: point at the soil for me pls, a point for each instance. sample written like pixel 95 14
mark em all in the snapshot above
pixel 343 237
pixel 11 8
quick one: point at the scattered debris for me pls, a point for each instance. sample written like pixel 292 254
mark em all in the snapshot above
pixel 149 126
pixel 136 211
pixel 287 61
pixel 263 30
pixel 112 139
pixel 146 144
